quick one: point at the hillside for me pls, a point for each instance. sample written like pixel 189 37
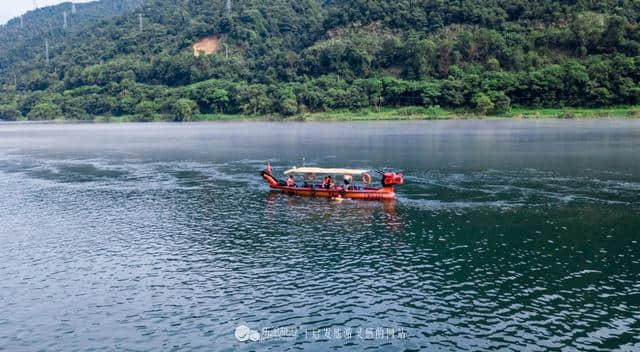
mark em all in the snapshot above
pixel 22 39
pixel 287 57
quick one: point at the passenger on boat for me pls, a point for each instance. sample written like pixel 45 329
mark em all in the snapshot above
pixel 291 182
pixel 328 182
pixel 308 180
pixel 347 182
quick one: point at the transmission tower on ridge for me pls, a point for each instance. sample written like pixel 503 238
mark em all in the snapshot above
pixel 46 50
pixel 64 15
pixel 35 4
pixel 73 8
pixel 140 21
pixel 21 21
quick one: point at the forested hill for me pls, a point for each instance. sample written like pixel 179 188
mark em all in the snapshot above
pixel 22 38
pixel 292 56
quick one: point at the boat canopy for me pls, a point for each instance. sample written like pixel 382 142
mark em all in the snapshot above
pixel 320 170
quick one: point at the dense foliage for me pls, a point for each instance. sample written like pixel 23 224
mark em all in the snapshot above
pixel 292 56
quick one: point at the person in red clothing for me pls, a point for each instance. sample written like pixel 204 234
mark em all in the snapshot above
pixel 328 182
pixel 291 182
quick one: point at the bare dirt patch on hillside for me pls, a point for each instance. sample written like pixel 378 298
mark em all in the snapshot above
pixel 207 45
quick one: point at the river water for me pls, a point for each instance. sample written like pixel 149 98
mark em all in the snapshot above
pixel 515 235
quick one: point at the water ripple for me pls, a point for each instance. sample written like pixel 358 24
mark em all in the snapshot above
pixel 131 251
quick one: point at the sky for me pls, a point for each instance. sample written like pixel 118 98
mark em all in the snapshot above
pixel 13 8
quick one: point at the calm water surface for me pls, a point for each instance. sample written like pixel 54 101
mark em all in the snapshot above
pixel 513 235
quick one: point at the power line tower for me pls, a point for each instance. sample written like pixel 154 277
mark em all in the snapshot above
pixel 140 21
pixel 229 7
pixel 73 8
pixel 64 15
pixel 46 51
pixel 35 4
pixel 21 21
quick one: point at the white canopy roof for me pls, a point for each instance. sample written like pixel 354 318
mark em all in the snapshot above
pixel 320 170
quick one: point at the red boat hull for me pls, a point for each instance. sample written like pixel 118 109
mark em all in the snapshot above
pixel 364 193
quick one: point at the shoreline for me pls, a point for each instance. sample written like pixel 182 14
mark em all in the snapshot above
pixel 416 113
pixel 388 114
pixel 420 113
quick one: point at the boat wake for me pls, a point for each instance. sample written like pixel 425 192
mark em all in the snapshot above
pixel 428 190
pixel 506 189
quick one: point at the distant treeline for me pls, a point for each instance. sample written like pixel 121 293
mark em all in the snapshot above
pixel 287 57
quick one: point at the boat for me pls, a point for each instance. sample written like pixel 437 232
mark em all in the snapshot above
pixel 311 187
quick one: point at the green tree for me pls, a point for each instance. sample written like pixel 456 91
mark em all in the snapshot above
pixel 45 111
pixel 217 99
pixel 373 88
pixel 430 92
pixel 287 101
pixel 256 100
pixel 10 112
pixel 493 64
pixel 614 34
pixel 453 94
pixel 501 103
pixel 145 111
pixel 482 104
pixel 184 109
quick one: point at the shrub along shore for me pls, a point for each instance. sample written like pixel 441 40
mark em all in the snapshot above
pixel 404 113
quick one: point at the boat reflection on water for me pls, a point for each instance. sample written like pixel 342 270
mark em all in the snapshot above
pixel 353 215
pixel 392 219
pixel 272 197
